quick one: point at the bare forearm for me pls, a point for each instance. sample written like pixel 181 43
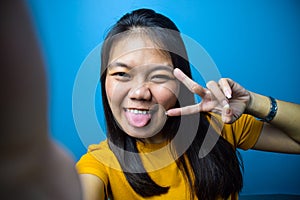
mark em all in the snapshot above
pixel 23 81
pixel 32 167
pixel 44 173
pixel 286 119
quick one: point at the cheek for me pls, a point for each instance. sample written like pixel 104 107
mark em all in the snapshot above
pixel 166 95
pixel 115 91
pixel 109 89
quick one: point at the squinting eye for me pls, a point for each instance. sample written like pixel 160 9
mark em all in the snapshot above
pixel 161 78
pixel 121 75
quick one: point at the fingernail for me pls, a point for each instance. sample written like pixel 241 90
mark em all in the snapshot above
pixel 227 93
pixel 178 73
pixel 227 109
pixel 225 103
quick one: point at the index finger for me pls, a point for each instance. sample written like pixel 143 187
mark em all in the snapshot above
pixel 189 83
pixel 186 110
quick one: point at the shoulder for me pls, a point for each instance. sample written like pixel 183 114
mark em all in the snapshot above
pixel 102 146
pixel 243 133
pixel 101 154
pixel 99 161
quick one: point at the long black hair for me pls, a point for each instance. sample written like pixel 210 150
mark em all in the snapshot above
pixel 218 174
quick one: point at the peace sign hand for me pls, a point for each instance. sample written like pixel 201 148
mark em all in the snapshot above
pixel 226 98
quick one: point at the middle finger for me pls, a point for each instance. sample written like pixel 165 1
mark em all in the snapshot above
pixel 217 92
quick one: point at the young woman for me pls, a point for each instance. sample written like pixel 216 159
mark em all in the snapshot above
pixel 162 146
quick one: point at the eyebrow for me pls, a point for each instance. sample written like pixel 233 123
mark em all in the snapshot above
pixel 164 67
pixel 118 64
pixel 157 66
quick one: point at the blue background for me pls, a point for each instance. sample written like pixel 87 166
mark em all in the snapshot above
pixel 256 43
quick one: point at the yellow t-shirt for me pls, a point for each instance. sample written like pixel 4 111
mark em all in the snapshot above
pixel 101 162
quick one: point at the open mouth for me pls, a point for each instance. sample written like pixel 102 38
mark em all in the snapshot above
pixel 139 117
pixel 138 111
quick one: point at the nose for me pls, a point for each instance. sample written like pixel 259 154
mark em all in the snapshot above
pixel 141 92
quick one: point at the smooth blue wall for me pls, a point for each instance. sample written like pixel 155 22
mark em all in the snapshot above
pixel 256 43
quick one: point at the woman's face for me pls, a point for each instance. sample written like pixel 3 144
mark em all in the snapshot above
pixel 140 87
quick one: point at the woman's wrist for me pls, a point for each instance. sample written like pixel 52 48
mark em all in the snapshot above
pixel 273 110
pixel 258 105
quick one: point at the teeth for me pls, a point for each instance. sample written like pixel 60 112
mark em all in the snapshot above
pixel 143 112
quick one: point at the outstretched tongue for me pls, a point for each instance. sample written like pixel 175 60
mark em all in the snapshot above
pixel 138 119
